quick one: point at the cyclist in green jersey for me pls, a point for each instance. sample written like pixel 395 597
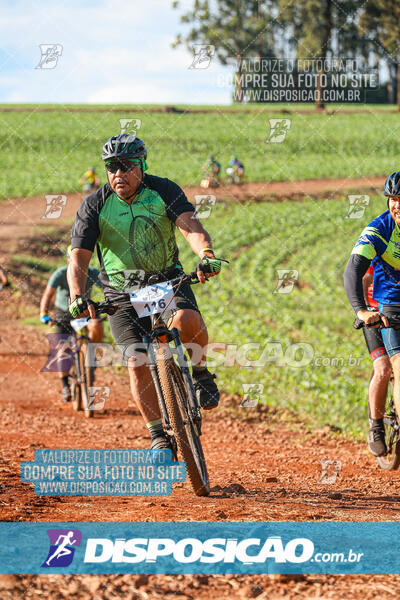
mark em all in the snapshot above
pixel 57 293
pixel 212 169
pixel 132 222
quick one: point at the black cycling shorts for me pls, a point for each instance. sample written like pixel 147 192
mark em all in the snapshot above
pixel 374 341
pixel 128 330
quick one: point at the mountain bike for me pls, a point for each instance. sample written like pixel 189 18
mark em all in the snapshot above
pixel 233 177
pixel 391 460
pixel 80 376
pixel 173 383
pixel 210 179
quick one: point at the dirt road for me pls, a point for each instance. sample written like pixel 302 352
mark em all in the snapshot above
pixel 265 465
pixel 262 108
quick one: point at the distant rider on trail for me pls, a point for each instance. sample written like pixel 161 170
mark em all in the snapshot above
pixel 90 180
pixel 235 170
pixel 212 170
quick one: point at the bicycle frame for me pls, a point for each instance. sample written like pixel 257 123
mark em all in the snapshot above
pixel 161 336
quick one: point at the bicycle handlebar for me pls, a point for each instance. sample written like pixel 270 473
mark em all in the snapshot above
pixel 394 322
pixel 105 307
pixel 109 308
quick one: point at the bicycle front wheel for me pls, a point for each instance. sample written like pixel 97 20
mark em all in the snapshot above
pixel 86 378
pixel 391 460
pixel 185 430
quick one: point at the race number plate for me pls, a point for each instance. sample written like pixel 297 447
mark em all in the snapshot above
pixel 78 324
pixel 153 299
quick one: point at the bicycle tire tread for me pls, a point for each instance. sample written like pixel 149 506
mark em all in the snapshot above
pixel 166 373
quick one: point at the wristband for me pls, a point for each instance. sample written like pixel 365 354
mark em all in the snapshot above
pixel 205 250
pixel 44 314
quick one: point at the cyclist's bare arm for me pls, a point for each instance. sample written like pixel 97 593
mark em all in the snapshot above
pixel 196 236
pixel 47 299
pixel 77 275
pixel 193 231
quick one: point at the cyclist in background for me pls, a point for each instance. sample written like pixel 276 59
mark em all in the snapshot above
pixel 237 166
pixel 90 180
pixel 57 292
pixel 379 243
pixel 381 370
pixel 212 170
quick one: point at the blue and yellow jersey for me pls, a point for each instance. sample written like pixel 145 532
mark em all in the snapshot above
pixel 380 243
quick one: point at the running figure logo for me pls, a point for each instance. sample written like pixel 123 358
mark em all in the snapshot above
pixel 50 55
pixel 203 203
pixel 286 280
pixel 357 206
pixel 278 129
pixel 202 56
pixel 130 125
pixel 61 550
pixel 54 206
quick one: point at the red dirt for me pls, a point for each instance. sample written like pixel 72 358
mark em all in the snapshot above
pixel 264 465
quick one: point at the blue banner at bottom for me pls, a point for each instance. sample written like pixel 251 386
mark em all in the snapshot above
pixel 202 548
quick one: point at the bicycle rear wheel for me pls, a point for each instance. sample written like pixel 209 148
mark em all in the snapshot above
pixel 86 378
pixel 391 460
pixel 185 430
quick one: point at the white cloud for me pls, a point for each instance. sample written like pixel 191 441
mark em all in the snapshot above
pixel 131 93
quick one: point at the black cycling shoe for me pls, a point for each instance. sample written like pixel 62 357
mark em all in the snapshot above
pixel 207 393
pixel 376 440
pixel 161 442
pixel 66 393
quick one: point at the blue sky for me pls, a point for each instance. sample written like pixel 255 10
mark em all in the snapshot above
pixel 113 51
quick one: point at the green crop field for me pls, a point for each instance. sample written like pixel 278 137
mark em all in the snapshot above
pixel 300 345
pixel 311 326
pixel 45 153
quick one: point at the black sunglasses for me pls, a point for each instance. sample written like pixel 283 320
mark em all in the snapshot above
pixel 123 165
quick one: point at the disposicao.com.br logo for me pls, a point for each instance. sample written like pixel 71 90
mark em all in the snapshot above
pixel 172 553
pixel 192 550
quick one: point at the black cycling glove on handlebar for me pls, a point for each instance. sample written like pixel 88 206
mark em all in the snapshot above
pixel 210 265
pixel 79 306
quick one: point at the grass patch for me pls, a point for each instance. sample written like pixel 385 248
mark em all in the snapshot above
pixel 310 360
pixel 53 149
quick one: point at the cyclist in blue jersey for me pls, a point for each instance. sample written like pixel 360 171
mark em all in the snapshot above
pixel 379 244
pixel 237 166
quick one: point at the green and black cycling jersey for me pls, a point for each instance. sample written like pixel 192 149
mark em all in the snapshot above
pixel 132 239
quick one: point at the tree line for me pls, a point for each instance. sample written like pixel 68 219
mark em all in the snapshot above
pixel 366 31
